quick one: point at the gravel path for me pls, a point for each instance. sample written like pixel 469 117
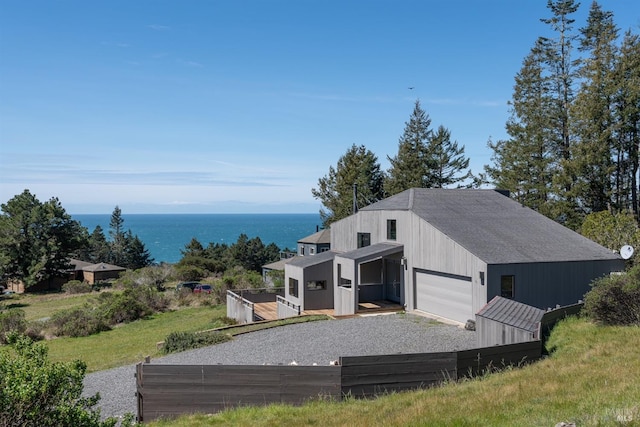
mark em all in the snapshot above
pixel 305 343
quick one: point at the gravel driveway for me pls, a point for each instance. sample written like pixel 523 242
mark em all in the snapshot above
pixel 305 343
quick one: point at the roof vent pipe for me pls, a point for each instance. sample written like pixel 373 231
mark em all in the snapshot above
pixel 355 198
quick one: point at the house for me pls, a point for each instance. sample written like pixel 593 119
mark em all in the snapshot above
pixel 446 253
pixel 102 271
pixel 316 243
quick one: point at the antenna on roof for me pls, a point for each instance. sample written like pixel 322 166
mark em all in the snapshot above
pixel 626 251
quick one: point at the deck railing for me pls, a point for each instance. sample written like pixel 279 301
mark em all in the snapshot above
pixel 239 308
pixel 287 308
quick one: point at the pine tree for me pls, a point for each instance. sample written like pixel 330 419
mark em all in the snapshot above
pixel 561 75
pixel 136 254
pixel 627 134
pixel 524 163
pixel 592 114
pixel 335 190
pixel 117 234
pixel 448 160
pixel 98 246
pixel 412 166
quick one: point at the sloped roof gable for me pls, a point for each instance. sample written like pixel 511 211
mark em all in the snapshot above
pixel 494 227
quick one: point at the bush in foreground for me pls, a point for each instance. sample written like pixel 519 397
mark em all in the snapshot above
pixel 76 287
pixel 615 300
pixel 181 341
pixel 37 392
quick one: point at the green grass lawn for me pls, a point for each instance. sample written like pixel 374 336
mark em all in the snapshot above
pixel 132 342
pixel 592 378
pixel 42 306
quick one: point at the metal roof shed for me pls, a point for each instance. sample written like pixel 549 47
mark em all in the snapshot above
pixel 505 321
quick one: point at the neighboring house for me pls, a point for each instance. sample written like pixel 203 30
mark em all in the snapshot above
pixel 98 272
pixel 316 243
pixel 80 270
pixel 447 252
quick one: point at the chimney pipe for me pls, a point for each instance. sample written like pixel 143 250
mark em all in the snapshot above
pixel 355 198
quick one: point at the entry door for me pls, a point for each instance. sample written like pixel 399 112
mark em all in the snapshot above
pixel 393 282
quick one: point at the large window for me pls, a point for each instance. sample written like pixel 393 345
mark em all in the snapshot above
pixel 317 285
pixel 293 287
pixel 391 229
pixel 364 239
pixel 507 286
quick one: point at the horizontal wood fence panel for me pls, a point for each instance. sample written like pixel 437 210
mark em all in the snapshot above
pixel 477 361
pixel 372 375
pixel 173 390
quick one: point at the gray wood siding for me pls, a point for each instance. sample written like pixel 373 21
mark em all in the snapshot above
pixel 318 299
pixel 545 285
pixel 497 333
pixel 297 273
pixel 425 248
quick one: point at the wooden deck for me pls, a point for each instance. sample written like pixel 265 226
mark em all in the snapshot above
pixel 269 310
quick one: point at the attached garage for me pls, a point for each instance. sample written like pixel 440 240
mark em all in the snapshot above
pixel 445 295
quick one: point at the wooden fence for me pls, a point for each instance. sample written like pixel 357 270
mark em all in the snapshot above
pixel 172 390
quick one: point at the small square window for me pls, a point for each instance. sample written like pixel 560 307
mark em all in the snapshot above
pixel 364 239
pixel 317 285
pixel 507 286
pixel 391 229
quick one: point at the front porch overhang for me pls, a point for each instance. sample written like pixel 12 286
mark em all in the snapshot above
pixel 372 252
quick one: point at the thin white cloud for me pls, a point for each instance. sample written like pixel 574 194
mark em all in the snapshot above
pixel 157 27
pixel 190 63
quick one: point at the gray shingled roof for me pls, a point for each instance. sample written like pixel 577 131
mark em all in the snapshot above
pixel 512 313
pixel 320 237
pixel 309 260
pixel 494 227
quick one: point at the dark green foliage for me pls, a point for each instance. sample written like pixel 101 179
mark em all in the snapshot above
pixel 615 300
pixel 449 161
pixel 136 302
pixel 181 341
pixel 37 239
pixel 79 322
pixel 412 165
pixel 11 321
pixel 125 249
pixel 35 392
pixel 357 166
pixel 250 254
pixel 76 287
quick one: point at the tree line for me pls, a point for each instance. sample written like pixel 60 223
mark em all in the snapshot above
pixel 574 127
pixel 425 158
pixel 573 134
pixel 37 241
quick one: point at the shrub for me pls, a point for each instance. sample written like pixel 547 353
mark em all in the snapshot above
pixel 190 272
pixel 12 320
pixel 37 392
pixel 181 341
pixel 615 300
pixel 123 308
pixel 76 287
pixel 79 322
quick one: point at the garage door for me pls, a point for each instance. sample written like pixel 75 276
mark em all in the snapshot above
pixel 444 295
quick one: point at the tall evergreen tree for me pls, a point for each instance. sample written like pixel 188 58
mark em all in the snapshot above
pixel 36 239
pixel 136 254
pixel 117 234
pixel 99 250
pixel 561 73
pixel 335 190
pixel 627 133
pixel 524 163
pixel 593 114
pixel 412 166
pixel 449 161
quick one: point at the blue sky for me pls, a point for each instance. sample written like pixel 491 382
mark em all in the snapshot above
pixel 240 106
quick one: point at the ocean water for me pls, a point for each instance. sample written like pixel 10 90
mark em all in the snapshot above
pixel 165 235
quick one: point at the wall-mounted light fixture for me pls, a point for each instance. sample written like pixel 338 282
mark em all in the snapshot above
pixel 403 261
pixel 482 278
